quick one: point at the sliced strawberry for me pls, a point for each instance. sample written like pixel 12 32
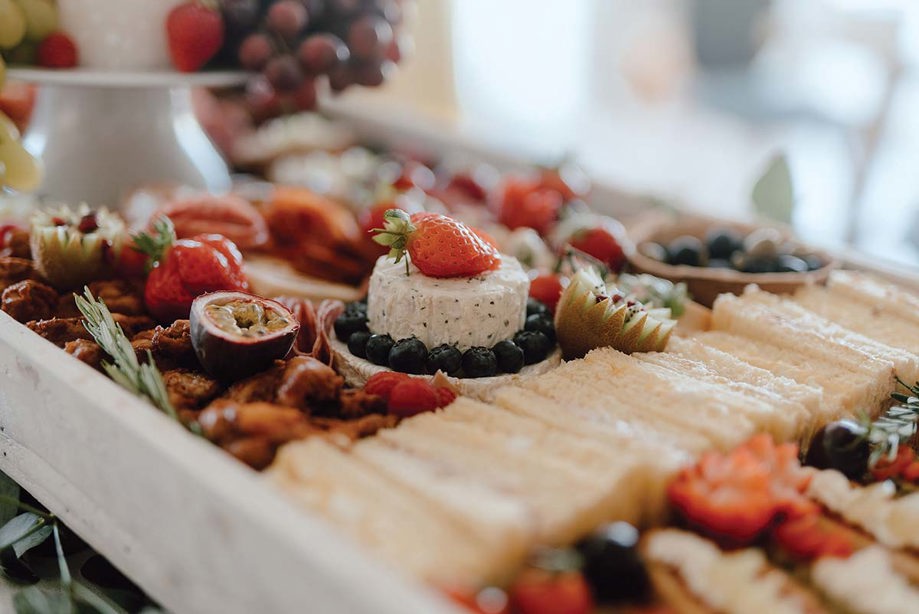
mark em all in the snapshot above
pixel 886 469
pixel 911 472
pixel 57 50
pixel 536 591
pixel 735 497
pixel 382 383
pixel 445 396
pixel 195 34
pixel 812 536
pixel 411 397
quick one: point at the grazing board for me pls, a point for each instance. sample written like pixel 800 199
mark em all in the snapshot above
pixel 196 529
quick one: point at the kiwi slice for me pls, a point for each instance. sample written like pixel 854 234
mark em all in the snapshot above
pixel 588 317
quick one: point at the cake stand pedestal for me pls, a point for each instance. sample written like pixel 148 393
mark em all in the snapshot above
pixel 102 134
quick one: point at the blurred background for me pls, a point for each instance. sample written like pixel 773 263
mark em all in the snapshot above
pixel 689 100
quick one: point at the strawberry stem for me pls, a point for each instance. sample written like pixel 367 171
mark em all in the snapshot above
pixel 397 228
pixel 155 244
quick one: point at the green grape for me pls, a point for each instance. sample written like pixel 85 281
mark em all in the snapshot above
pixel 18 169
pixel 41 18
pixel 8 129
pixel 12 24
pixel 2 72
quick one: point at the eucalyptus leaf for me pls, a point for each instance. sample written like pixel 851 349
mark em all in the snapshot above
pixel 34 600
pixel 773 194
pixel 9 497
pixel 30 541
pixel 20 527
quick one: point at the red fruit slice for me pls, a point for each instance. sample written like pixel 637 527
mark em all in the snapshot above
pixel 542 592
pixel 57 50
pixel 445 396
pixel 547 289
pixel 411 397
pixel 382 383
pixel 812 536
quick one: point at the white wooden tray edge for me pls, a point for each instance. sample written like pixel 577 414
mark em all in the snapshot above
pixel 196 529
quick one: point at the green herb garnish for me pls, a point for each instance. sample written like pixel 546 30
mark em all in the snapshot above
pixel 143 379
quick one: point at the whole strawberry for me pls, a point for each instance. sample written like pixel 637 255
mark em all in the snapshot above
pixel 195 33
pixel 602 243
pixel 438 245
pixel 183 270
pixel 57 51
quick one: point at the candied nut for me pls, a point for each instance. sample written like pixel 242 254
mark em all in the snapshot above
pixel 29 300
pixel 14 270
pixel 86 351
pixel 308 380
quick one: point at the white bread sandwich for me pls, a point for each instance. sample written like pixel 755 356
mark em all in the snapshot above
pixel 787 316
pixel 391 521
pixel 874 321
pixel 853 286
pixel 801 401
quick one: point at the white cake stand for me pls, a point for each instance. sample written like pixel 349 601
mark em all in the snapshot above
pixel 101 134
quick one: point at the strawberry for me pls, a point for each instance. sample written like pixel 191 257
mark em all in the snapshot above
pixel 411 397
pixel 911 472
pixel 523 203
pixel 438 245
pixel 537 591
pixel 195 34
pixel 735 497
pixel 445 396
pixel 57 51
pixel 547 289
pixel 183 270
pixel 812 536
pixel 601 243
pixel 382 383
pixel 491 600
pixel 886 469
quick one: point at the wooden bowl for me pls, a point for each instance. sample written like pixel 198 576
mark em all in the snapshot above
pixel 705 284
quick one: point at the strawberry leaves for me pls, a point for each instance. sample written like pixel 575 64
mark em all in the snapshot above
pixel 155 244
pixel 397 227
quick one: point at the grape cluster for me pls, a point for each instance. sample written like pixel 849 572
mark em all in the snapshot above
pixel 298 45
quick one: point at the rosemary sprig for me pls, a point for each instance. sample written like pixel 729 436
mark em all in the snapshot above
pixel 895 426
pixel 141 379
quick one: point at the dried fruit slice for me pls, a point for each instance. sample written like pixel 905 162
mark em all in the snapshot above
pixel 71 247
pixel 589 315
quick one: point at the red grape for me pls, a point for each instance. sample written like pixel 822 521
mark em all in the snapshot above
pixel 240 16
pixel 305 96
pixel 340 77
pixel 287 18
pixel 344 7
pixel 320 53
pixel 283 73
pixel 369 37
pixel 368 73
pixel 255 51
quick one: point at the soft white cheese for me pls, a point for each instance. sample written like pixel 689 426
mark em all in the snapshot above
pixel 891 521
pixel 866 583
pixel 462 311
pixel 740 582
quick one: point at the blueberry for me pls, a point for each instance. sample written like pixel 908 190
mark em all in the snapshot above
pixel 378 347
pixel 444 358
pixel 535 346
pixel 790 264
pixel 509 355
pixel 757 264
pixel 349 323
pixel 479 362
pixel 841 445
pixel 723 242
pixel 542 324
pixel 357 307
pixel 357 343
pixel 613 567
pixel 408 356
pixel 535 306
pixel 687 250
pixel 814 262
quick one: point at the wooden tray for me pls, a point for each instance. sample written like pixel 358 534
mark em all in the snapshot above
pixel 197 530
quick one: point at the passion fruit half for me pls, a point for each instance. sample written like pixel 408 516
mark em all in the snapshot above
pixel 237 334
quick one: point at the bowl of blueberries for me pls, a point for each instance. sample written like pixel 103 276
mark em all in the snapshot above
pixel 713 257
